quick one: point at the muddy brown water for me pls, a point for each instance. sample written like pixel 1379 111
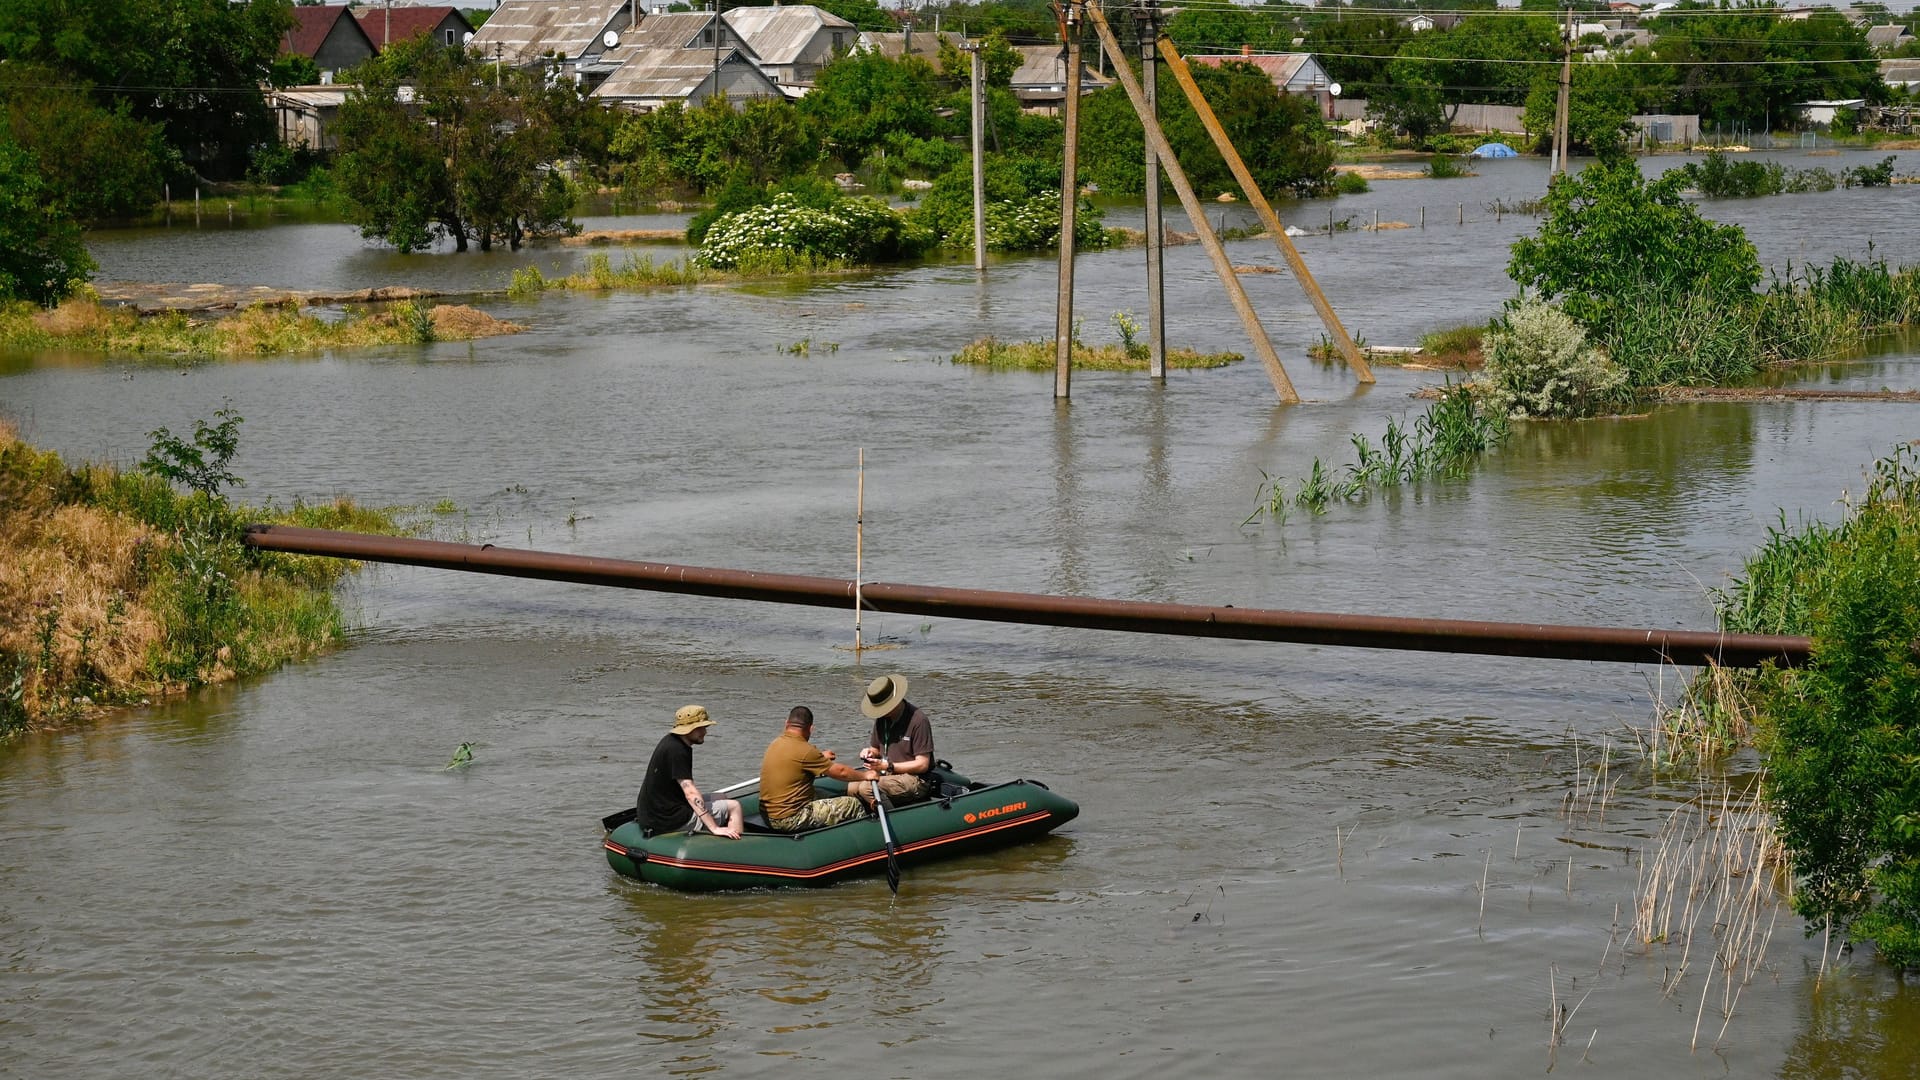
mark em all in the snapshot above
pixel 280 878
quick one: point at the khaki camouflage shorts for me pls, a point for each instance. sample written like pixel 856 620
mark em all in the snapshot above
pixel 821 813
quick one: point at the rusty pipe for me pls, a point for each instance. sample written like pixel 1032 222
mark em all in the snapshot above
pixel 1541 640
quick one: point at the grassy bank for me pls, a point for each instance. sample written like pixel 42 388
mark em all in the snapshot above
pixel 117 589
pixel 266 330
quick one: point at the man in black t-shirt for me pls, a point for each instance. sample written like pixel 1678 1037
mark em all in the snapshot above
pixel 669 799
pixel 901 747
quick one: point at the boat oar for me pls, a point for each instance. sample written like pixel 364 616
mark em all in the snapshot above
pixel 886 833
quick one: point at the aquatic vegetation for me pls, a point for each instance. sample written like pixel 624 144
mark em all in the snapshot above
pixel 1454 431
pixel 262 330
pixel 1852 713
pixel 118 588
pixel 1039 356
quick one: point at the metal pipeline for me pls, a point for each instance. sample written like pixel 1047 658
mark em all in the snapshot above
pixel 1542 640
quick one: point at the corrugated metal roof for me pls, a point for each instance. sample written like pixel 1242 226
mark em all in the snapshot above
pixel 525 30
pixel 669 74
pixel 779 35
pixel 926 44
pixel 1046 65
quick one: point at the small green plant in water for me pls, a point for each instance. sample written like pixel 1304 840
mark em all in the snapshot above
pixel 200 464
pixel 1129 328
pixel 462 756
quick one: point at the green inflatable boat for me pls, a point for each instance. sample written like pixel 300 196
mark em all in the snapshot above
pixel 964 817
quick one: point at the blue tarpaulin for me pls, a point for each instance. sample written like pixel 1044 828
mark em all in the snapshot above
pixel 1493 150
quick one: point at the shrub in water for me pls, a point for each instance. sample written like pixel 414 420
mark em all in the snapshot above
pixel 786 233
pixel 1540 365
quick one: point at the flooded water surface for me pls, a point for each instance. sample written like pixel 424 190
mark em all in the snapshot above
pixel 1310 861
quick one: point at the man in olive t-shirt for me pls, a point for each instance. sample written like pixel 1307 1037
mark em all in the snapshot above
pixel 787 773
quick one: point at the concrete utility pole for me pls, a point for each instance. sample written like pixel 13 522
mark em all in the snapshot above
pixel 716 46
pixel 1335 331
pixel 1197 216
pixel 1558 166
pixel 1069 15
pixel 1147 20
pixel 979 153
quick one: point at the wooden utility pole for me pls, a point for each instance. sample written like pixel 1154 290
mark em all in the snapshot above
pixel 1338 333
pixel 979 101
pixel 1558 165
pixel 1197 215
pixel 1148 24
pixel 1069 15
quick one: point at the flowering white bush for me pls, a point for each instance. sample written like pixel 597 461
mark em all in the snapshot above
pixel 786 233
pixel 1033 224
pixel 1540 365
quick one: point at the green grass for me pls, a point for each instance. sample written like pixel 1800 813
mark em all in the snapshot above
pixel 1040 356
pixel 264 330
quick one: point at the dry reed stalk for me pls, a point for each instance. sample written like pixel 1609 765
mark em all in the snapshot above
pixel 1484 869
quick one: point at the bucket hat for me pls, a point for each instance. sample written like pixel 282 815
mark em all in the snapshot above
pixel 689 719
pixel 882 695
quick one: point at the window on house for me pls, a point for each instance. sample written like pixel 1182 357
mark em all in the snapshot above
pixel 449 36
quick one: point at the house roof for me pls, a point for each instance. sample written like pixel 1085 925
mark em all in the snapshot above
pixel 1280 67
pixel 668 74
pixel 673 32
pixel 781 34
pixel 1887 37
pixel 1046 65
pixel 893 45
pixel 1905 72
pixel 525 30
pixel 311 25
pixel 407 22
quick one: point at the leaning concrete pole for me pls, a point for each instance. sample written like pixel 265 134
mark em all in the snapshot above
pixel 1197 215
pixel 1069 12
pixel 1183 75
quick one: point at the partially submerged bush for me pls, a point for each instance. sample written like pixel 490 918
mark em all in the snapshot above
pixel 1540 365
pixel 787 234
pixel 1843 735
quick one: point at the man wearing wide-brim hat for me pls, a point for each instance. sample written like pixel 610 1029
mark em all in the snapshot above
pixel 669 799
pixel 901 746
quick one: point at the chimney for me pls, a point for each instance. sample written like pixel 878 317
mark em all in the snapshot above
pixel 1246 50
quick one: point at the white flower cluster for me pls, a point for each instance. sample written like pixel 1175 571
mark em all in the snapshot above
pixel 1540 365
pixel 855 231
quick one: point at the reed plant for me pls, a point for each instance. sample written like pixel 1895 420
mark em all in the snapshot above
pixel 1454 431
pixel 1708 898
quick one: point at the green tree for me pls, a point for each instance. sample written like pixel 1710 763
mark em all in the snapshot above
pixel 858 99
pixel 100 160
pixel 432 145
pixel 1603 98
pixel 194 67
pixel 41 255
pixel 1279 136
pixel 1747 67
pixel 1356 51
pixel 1611 240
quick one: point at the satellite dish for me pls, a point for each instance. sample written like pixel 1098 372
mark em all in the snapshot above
pixel 610 39
pixel 466 38
pixel 1334 89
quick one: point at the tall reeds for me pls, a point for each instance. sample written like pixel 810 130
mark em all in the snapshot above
pixel 1709 895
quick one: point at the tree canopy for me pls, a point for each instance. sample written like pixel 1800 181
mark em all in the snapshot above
pixel 41 255
pixel 435 143
pixel 1280 136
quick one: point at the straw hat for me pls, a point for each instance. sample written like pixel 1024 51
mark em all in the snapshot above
pixel 882 695
pixel 689 719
